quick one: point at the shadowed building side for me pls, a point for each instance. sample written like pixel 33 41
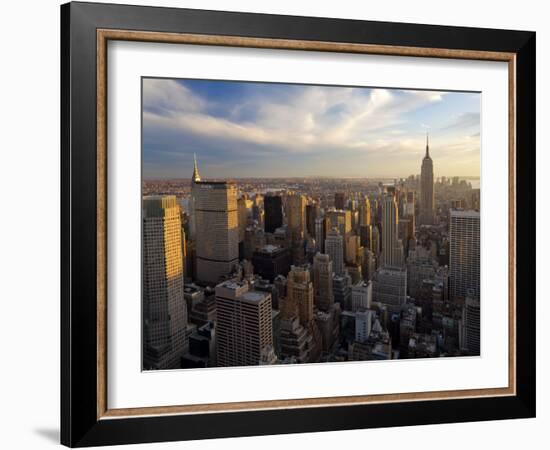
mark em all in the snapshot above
pixel 464 276
pixel 244 328
pixel 273 213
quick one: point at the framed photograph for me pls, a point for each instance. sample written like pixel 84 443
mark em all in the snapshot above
pixel 278 224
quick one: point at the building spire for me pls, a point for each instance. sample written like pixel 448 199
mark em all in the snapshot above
pixel 427 145
pixel 196 177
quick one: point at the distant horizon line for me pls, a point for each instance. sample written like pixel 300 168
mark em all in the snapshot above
pixel 477 177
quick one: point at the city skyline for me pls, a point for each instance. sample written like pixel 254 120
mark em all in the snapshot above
pixel 304 131
pixel 292 268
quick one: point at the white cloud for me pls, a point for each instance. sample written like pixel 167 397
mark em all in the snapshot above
pixel 331 127
pixel 464 120
pixel 316 117
pixel 170 96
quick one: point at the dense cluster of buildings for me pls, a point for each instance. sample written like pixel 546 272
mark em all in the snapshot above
pixel 299 271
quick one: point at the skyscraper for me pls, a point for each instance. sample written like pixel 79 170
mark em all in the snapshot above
pixel 164 308
pixel 312 213
pixel 389 286
pixel 408 206
pixel 321 229
pixel 354 250
pixel 427 188
pixel 295 340
pixel 300 293
pixel 341 286
pixel 322 282
pixel 339 200
pixel 192 217
pixel 334 248
pixel 243 217
pixel 361 296
pixel 392 248
pixel 257 209
pixel 407 223
pixel 183 252
pixel 300 337
pixel 406 233
pixel 244 327
pixel 365 234
pixel 471 326
pixel 295 213
pixel 296 220
pixel 341 220
pixel 270 261
pixel 273 213
pixel 365 213
pixel 421 266
pixel 375 243
pixel 217 232
pixel 464 254
pixel 363 325
pixel 369 264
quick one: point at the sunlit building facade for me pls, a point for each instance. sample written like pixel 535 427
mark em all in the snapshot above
pixel 164 307
pixel 217 232
pixel 300 292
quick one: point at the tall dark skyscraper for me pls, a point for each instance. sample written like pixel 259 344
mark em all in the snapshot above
pixel 427 188
pixel 270 261
pixel 322 282
pixel 312 213
pixel 321 230
pixel 273 213
pixel 339 200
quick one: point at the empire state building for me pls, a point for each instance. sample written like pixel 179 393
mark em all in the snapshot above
pixel 427 189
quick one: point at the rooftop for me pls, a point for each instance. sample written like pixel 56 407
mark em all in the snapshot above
pixel 464 213
pixel 232 284
pixel 269 248
pixel 254 296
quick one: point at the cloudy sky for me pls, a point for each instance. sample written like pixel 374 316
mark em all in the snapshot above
pixel 244 129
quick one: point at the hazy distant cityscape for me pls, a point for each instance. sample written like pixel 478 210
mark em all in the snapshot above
pixel 252 270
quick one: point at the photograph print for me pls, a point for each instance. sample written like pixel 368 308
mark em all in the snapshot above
pixel 293 223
